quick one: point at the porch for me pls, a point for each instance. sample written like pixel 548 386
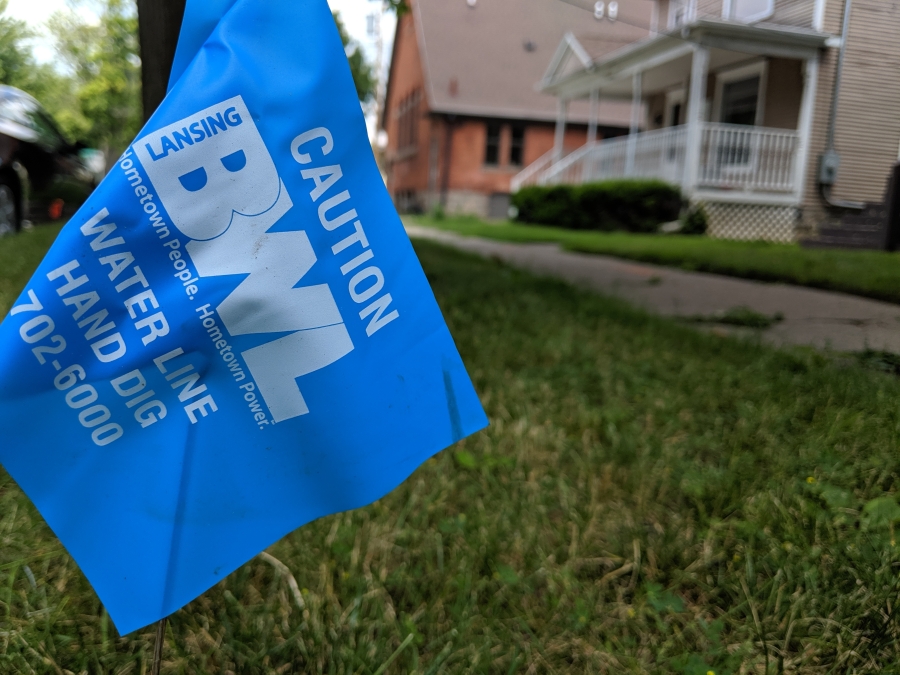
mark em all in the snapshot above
pixel 721 109
pixel 735 161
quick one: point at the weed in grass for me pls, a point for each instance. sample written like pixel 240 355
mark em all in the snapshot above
pixel 740 316
pixel 648 499
pixel 885 362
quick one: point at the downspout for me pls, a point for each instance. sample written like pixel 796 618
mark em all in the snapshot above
pixel 448 149
pixel 831 160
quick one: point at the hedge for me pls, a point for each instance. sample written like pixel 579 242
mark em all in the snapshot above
pixel 631 205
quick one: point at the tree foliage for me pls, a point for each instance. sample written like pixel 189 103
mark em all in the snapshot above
pixel 398 6
pixel 94 91
pixel 363 75
pixel 104 62
pixel 16 62
pixel 19 69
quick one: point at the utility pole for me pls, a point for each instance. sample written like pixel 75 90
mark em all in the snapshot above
pixel 159 25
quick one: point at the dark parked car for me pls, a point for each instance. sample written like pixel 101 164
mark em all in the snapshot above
pixel 42 176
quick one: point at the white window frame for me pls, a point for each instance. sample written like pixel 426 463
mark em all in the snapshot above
pixel 729 9
pixel 736 74
pixel 758 69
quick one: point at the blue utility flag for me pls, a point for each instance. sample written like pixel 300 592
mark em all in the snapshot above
pixel 233 336
pixel 200 19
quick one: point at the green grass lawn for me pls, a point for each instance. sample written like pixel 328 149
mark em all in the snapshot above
pixel 873 274
pixel 648 499
pixel 19 256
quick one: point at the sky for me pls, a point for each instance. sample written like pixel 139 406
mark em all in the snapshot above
pixel 35 14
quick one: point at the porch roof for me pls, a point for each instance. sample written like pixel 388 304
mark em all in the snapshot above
pixel 730 41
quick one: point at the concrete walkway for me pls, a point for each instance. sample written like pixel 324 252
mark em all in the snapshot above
pixel 811 317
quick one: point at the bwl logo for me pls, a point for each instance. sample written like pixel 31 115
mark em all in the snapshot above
pixel 221 189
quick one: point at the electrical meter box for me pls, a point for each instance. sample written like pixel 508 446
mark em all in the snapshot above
pixel 829 164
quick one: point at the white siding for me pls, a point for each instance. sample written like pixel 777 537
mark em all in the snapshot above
pixel 869 110
pixel 868 122
pixel 794 12
pixel 709 8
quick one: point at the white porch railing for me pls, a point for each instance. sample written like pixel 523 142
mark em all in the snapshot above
pixel 529 175
pixel 655 154
pixel 570 170
pixel 732 157
pixel 750 159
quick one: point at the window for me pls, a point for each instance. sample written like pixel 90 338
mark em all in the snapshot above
pixel 749 11
pixel 740 101
pixel 740 94
pixel 492 147
pixel 408 123
pixel 517 148
pixel 739 106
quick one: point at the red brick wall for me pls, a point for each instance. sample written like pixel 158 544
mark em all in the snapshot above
pixel 407 172
pixel 420 171
pixel 468 170
pixel 539 140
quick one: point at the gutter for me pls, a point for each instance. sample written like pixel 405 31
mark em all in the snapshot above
pixel 830 160
pixel 709 32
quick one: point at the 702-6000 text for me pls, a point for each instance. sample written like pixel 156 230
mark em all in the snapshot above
pixel 83 397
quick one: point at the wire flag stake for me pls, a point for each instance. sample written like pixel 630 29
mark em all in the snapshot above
pixel 158 647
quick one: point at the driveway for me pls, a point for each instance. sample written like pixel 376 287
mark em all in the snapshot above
pixel 811 317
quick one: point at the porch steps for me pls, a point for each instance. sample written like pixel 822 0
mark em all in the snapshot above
pixel 875 227
pixel 864 230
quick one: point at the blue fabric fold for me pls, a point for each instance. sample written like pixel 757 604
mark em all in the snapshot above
pixel 233 336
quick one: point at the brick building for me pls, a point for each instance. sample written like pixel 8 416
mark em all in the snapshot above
pixel 463 114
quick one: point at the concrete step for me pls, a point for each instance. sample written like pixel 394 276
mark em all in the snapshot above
pixel 866 229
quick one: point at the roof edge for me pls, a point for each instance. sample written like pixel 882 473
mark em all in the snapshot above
pixel 517 114
pixel 708 32
pixel 423 53
pixel 568 44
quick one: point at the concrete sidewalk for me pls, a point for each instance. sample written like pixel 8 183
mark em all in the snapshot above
pixel 811 317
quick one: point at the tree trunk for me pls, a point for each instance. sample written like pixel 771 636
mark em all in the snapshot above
pixel 160 23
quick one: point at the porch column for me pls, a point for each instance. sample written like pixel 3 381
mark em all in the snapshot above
pixel 804 126
pixel 696 106
pixel 636 109
pixel 594 113
pixel 562 111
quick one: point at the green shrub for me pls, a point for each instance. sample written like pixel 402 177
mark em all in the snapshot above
pixel 631 205
pixel 551 205
pixel 694 220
